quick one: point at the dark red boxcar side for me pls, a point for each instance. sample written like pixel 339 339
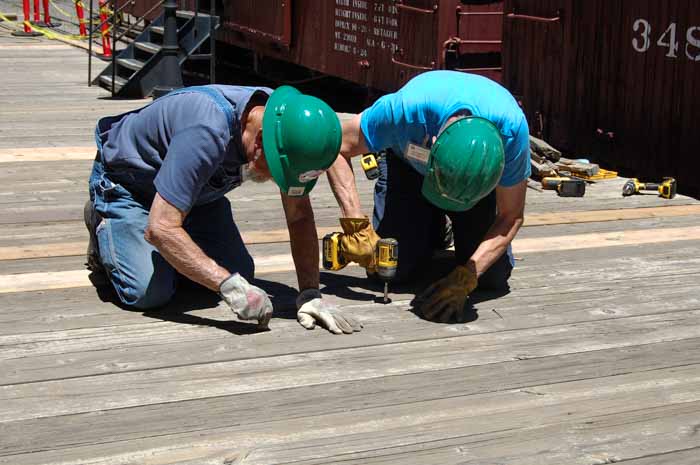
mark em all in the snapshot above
pixel 376 43
pixel 617 81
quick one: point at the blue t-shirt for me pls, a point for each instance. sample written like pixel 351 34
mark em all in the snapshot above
pixel 186 145
pixel 416 113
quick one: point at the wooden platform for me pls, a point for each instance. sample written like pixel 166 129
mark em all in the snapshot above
pixel 593 358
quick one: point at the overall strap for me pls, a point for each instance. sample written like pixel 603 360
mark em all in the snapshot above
pixel 224 105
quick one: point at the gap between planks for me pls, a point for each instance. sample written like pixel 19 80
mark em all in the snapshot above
pixel 66 249
pixel 47 154
pixel 283 262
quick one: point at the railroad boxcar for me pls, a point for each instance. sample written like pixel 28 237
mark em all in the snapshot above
pixel 375 43
pixel 616 81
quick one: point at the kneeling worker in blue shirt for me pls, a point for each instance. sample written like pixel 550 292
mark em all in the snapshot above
pixel 457 146
pixel 157 207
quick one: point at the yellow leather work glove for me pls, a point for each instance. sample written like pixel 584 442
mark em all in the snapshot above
pixel 445 299
pixel 358 242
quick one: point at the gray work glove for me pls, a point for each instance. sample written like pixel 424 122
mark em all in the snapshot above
pixel 248 302
pixel 313 310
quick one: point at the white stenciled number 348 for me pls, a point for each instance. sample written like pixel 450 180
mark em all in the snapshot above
pixel 644 36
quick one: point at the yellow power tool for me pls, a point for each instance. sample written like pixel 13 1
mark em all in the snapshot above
pixel 333 259
pixel 370 165
pixel 386 257
pixel 666 189
pixel 565 187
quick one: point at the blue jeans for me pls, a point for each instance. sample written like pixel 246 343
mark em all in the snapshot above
pixel 140 275
pixel 401 212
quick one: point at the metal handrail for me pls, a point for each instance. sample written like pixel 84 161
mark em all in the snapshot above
pixel 414 9
pixel 537 19
pixel 140 19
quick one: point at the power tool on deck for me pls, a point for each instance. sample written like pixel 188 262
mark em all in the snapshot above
pixel 386 255
pixel 565 187
pixel 666 189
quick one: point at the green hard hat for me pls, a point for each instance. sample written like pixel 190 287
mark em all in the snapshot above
pixel 465 165
pixel 301 139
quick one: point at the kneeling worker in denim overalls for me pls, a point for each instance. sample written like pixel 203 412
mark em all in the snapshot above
pixel 457 146
pixel 157 207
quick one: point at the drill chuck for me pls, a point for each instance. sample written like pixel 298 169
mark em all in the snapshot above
pixel 387 258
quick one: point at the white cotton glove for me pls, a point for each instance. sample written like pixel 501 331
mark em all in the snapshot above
pixel 312 310
pixel 248 302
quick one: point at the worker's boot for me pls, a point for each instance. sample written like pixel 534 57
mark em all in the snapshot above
pixel 92 219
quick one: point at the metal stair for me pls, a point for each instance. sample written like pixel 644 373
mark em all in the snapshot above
pixel 137 67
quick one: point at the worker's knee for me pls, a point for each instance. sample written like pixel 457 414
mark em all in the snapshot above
pixel 148 295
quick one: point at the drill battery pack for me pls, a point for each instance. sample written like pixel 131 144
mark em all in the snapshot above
pixel 572 188
pixel 332 260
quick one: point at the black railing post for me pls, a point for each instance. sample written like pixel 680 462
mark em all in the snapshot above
pixel 212 42
pixel 90 23
pixel 115 6
pixel 170 76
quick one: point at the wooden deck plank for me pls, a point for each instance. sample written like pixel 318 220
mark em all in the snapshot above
pixel 537 293
pixel 674 390
pixel 32 240
pixel 283 262
pixel 205 335
pixel 62 311
pixel 680 457
pixel 252 408
pixel 600 439
pixel 77 395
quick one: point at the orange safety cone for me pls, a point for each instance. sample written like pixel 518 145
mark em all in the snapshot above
pixel 28 31
pixel 48 22
pixel 80 12
pixel 104 30
pixel 37 15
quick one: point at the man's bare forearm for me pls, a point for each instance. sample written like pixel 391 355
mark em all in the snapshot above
pixel 342 180
pixel 305 252
pixel 510 204
pixel 303 239
pixel 178 248
pixel 166 233
pixel 495 243
pixel 341 175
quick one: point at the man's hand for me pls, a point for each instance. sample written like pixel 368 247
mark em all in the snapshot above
pixel 313 310
pixel 358 242
pixel 445 299
pixel 248 302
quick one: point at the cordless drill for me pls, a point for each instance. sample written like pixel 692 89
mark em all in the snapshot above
pixel 386 257
pixel 666 189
